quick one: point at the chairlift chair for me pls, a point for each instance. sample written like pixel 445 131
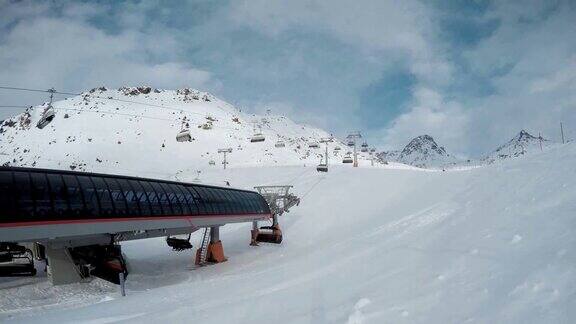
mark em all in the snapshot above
pixel 347 158
pixel 212 162
pixel 364 147
pixel 313 145
pixel 350 143
pixel 16 261
pixel 47 116
pixel 279 144
pixel 337 148
pixel 258 137
pixel 322 167
pixel 184 136
pixel 178 243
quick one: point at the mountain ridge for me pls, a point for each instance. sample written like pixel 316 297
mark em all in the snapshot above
pixel 132 130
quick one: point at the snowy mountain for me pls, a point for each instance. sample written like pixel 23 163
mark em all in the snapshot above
pixel 422 152
pixel 521 144
pixel 132 130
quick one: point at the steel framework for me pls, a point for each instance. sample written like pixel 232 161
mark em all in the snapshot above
pixel 280 200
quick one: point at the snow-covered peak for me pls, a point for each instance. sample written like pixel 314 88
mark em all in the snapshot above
pixel 422 151
pixel 521 144
pixel 423 145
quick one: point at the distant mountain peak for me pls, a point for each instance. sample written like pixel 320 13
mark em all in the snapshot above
pixel 524 135
pixel 423 144
pixel 519 145
pixel 422 151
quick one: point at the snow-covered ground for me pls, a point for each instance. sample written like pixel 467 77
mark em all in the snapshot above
pixel 390 244
pixel 133 131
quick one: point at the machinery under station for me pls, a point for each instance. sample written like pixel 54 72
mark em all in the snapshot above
pixel 74 221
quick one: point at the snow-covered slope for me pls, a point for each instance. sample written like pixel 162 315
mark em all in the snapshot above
pixel 133 131
pixel 422 152
pixel 521 144
pixel 487 245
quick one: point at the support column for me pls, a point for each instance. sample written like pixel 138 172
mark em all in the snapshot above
pixel 215 249
pixel 275 220
pixel 270 234
pixel 214 234
pixel 254 232
pixel 61 268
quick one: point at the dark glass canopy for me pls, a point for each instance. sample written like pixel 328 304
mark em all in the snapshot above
pixel 28 194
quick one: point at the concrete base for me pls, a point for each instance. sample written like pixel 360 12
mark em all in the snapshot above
pixel 61 267
pixel 215 253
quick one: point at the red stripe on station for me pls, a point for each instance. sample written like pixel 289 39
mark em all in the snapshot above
pixel 122 219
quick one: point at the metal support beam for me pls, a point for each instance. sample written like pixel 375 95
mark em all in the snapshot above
pixel 61 268
pixel 353 137
pixel 225 151
pixel 214 234
pixel 254 233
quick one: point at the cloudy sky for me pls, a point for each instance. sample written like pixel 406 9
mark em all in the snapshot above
pixel 469 73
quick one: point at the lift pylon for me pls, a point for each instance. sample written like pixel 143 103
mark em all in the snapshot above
pixel 352 137
pixel 323 166
pixel 211 249
pixel 225 151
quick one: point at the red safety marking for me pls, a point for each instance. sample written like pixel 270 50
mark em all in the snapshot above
pixel 122 219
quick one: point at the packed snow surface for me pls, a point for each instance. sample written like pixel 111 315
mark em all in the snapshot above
pixel 367 245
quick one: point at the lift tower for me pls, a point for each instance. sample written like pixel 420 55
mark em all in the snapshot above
pixel 323 167
pixel 224 151
pixel 353 137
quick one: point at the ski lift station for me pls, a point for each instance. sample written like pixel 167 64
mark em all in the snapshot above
pixel 75 220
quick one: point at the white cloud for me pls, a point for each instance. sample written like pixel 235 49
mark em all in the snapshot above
pixel 392 30
pixel 430 114
pixel 42 50
pixel 313 59
pixel 384 33
pixel 535 47
pixel 529 61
